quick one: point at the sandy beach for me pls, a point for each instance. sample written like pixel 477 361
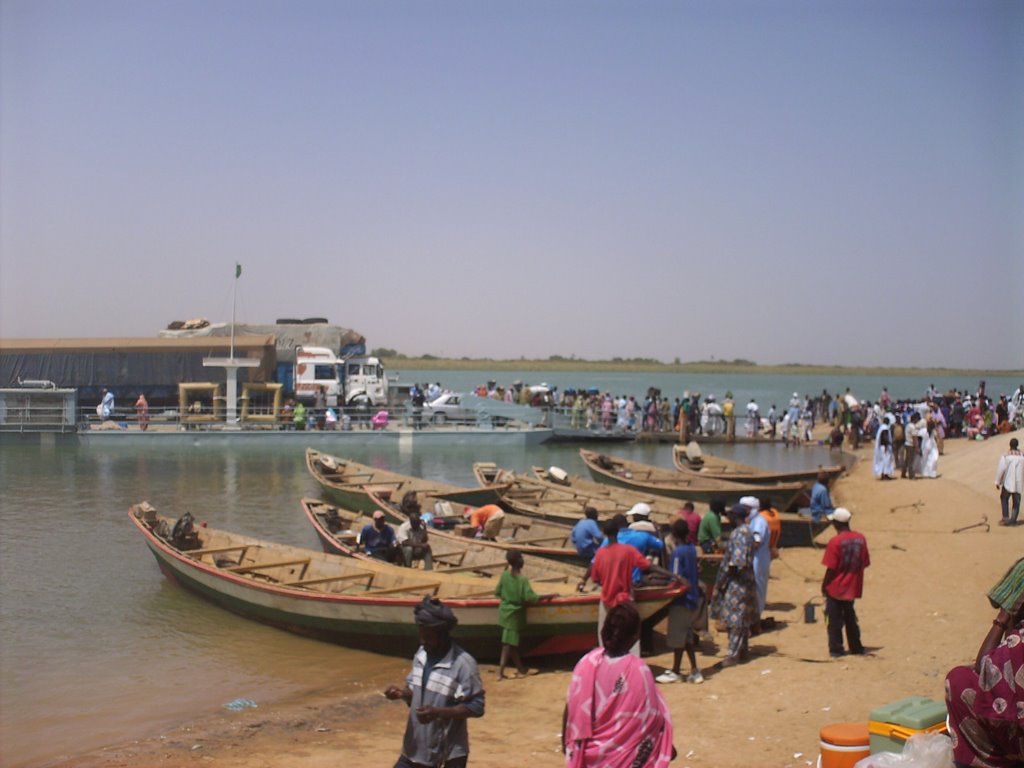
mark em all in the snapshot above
pixel 923 611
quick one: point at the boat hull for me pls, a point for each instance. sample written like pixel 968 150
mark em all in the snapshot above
pixel 566 624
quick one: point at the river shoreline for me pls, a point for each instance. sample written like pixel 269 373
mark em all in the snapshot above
pixel 919 617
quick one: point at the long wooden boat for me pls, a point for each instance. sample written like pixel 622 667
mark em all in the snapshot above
pixel 348 484
pixel 669 482
pixel 562 500
pixel 544 493
pixel 361 603
pixel 338 528
pixel 564 497
pixel 690 461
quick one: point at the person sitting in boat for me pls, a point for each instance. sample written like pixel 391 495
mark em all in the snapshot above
pixel 586 535
pixel 380 420
pixel 412 538
pixel 486 520
pixel 821 502
pixel 378 539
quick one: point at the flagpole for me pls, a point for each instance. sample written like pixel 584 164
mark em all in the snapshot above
pixel 234 297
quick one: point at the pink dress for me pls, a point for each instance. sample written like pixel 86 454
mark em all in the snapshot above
pixel 616 715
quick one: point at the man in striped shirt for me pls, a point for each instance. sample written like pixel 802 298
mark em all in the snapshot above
pixel 442 691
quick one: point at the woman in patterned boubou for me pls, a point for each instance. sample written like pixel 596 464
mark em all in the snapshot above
pixel 986 701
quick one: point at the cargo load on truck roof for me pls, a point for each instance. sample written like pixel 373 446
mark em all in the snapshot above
pixel 315 332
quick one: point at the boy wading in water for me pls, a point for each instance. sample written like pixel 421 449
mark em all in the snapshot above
pixel 515 592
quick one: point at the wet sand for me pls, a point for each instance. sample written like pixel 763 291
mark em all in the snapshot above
pixel 923 611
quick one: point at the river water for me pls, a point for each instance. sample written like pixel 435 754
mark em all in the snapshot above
pixel 96 647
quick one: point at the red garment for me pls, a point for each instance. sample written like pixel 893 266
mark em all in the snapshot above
pixel 692 524
pixel 847 555
pixel 613 570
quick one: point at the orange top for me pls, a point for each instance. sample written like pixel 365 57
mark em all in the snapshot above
pixel 846 734
pixel 481 515
pixel 774 527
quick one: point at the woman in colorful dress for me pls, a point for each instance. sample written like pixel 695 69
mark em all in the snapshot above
pixel 735 597
pixel 615 716
pixel 986 701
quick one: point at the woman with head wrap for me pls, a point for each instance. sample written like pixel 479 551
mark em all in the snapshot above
pixel 734 601
pixel 442 691
pixel 615 716
pixel 986 701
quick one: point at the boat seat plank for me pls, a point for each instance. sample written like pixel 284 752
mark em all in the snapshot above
pixel 539 539
pixel 477 567
pixel 218 550
pixel 552 579
pixel 327 579
pixel 263 566
pixel 414 588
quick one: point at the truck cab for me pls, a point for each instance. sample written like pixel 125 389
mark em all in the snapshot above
pixel 344 381
pixel 364 377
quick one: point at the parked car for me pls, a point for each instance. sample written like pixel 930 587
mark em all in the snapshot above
pixel 459 408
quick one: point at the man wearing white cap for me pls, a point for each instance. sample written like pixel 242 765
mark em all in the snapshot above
pixel 846 557
pixel 640 519
pixel 762 553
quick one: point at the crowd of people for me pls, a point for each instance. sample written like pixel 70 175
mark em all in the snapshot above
pixel 614 713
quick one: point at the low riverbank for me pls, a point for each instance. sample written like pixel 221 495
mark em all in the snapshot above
pixel 653 366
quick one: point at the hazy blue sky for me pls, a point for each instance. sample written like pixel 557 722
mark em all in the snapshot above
pixel 827 182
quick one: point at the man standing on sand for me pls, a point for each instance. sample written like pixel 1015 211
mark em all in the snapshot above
pixel 911 446
pixel 1010 482
pixel 442 691
pixel 846 557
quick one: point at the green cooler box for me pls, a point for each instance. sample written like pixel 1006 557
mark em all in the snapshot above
pixel 890 726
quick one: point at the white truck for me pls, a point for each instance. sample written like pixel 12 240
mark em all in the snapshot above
pixel 345 381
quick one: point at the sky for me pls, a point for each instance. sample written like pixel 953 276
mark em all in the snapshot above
pixel 784 182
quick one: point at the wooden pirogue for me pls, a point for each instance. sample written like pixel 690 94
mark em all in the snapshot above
pixel 348 484
pixel 670 482
pixel 690 459
pixel 356 602
pixel 550 494
pixel 554 495
pixel 453 552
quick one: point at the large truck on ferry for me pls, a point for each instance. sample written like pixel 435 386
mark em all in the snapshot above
pixel 336 361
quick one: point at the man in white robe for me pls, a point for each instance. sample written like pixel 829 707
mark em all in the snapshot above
pixel 884 464
pixel 762 551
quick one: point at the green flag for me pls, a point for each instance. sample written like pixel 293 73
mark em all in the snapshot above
pixel 238 270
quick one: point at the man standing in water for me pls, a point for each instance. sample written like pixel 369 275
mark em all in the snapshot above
pixel 442 691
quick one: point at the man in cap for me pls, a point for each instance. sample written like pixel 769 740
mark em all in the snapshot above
pixel 640 519
pixel 846 557
pixel 442 691
pixel 378 539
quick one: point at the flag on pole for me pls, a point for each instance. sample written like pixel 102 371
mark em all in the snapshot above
pixel 238 270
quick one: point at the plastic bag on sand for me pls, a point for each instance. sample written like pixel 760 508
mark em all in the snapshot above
pixel 922 750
